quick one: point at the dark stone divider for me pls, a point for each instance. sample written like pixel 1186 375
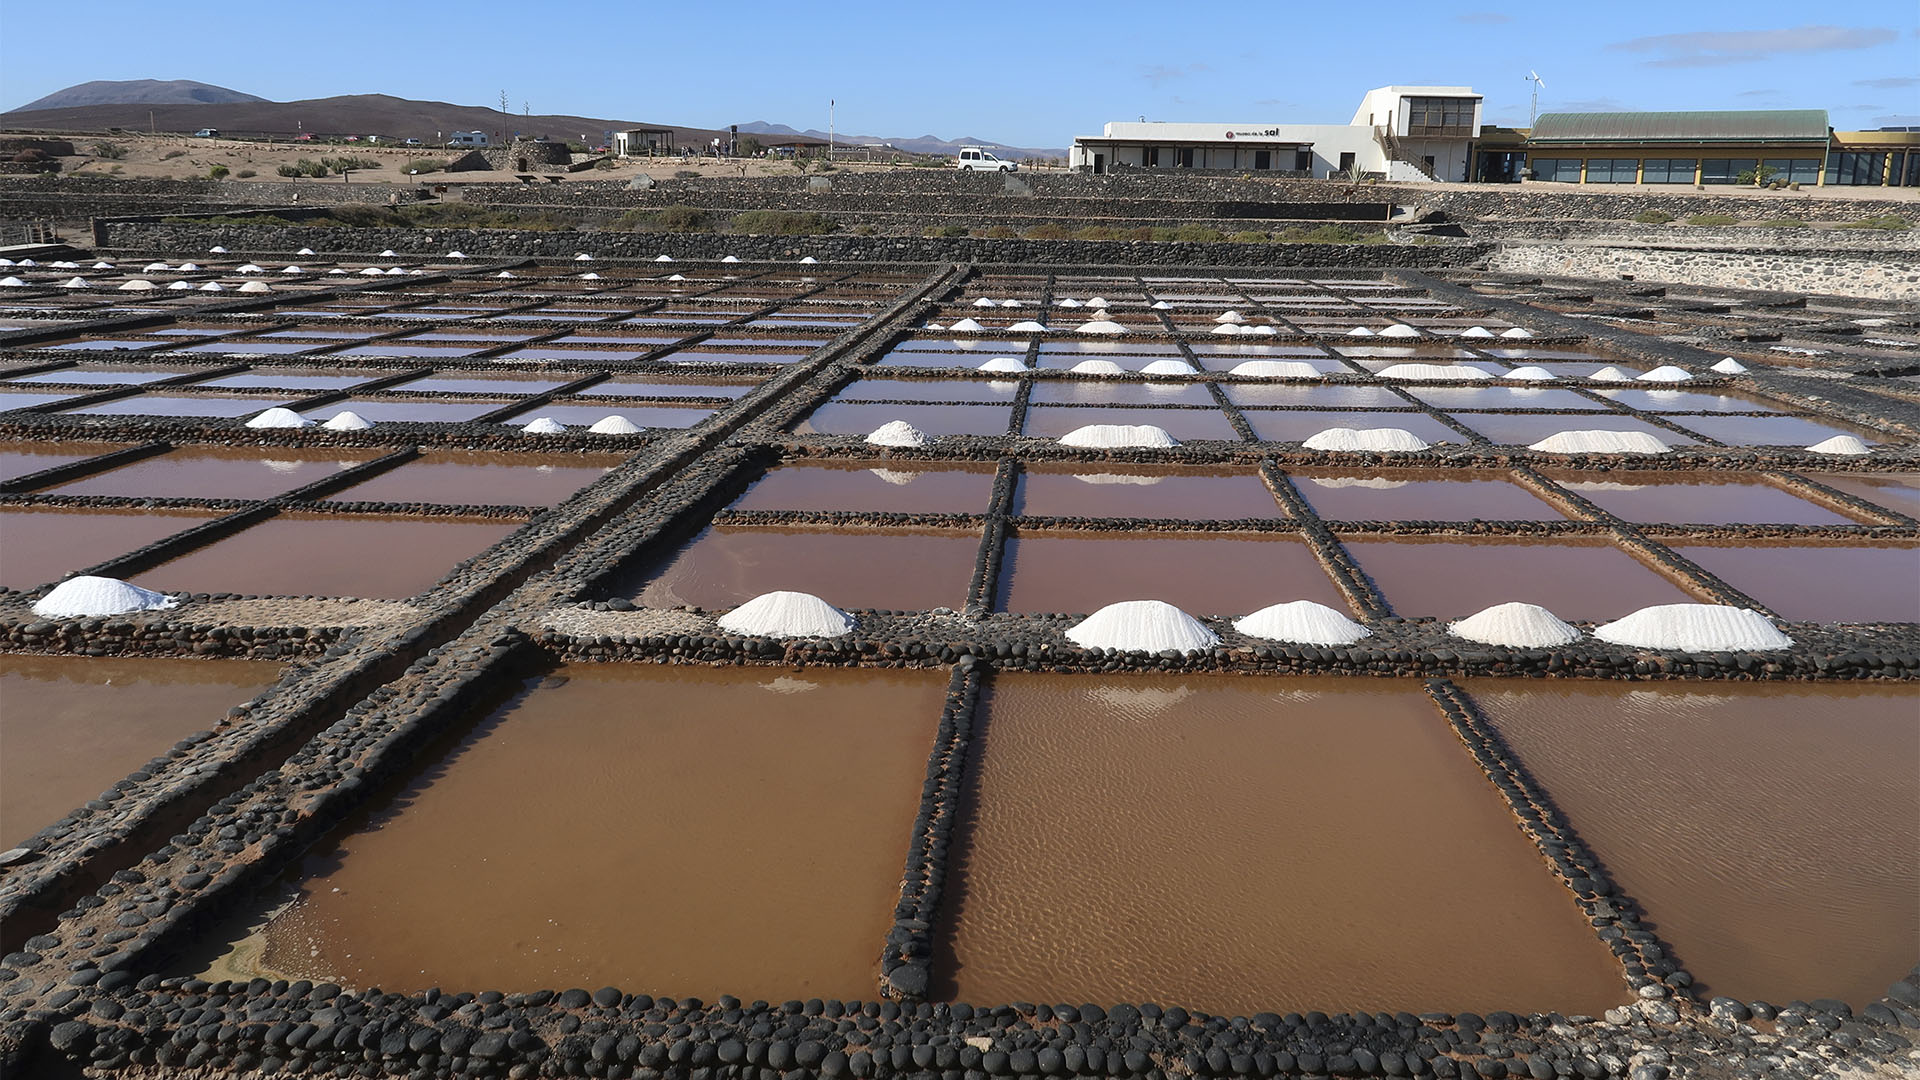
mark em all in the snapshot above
pixel 179 543
pixel 1332 555
pixel 74 470
pixel 906 960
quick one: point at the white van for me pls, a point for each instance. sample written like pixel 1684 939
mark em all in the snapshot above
pixel 973 157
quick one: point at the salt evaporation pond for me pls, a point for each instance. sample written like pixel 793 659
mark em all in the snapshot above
pixel 873 487
pixel 1387 869
pixel 889 569
pixel 21 458
pixel 44 544
pixel 379 558
pixel 1048 571
pixel 1420 495
pixel 1699 499
pixel 1091 489
pixel 1899 492
pixel 219 473
pixel 1768 830
pixel 746 829
pixel 73 726
pixel 843 419
pixel 454 477
pixel 1820 582
pixel 1452 577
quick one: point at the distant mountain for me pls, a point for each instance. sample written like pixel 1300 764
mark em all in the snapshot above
pixel 351 114
pixel 138 92
pixel 923 144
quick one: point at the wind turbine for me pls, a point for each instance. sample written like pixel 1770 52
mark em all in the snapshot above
pixel 1538 82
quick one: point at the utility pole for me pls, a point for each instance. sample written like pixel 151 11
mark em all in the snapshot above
pixel 506 118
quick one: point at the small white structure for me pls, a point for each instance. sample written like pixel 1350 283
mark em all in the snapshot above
pixel 467 138
pixel 1407 133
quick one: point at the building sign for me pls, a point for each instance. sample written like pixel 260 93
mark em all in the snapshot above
pixel 1263 133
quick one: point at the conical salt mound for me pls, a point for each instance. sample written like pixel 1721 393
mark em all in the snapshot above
pixel 1097 367
pixel 256 287
pixel 545 425
pixel 1276 369
pixel 1841 444
pixel 1101 326
pixel 1359 331
pixel 1600 442
pixel 1379 439
pixel 1302 622
pixel 614 425
pixel 279 418
pixel 1523 626
pixel 787 615
pixel 1730 366
pixel 1476 331
pixel 967 326
pixel 1515 332
pixel 1111 436
pixel 1169 367
pixel 1003 363
pixel 986 301
pixel 1027 326
pixel 1433 372
pixel 1069 302
pixel 1611 374
pixel 897 433
pixel 84 596
pixel 1142 626
pixel 1667 373
pixel 1229 317
pixel 348 420
pixel 1531 374
pixel 1399 330
pixel 1694 628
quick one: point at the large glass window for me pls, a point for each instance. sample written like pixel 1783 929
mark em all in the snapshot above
pixel 1793 170
pixel 1432 112
pixel 1668 170
pixel 1856 168
pixel 1563 170
pixel 1913 169
pixel 1612 170
pixel 1726 170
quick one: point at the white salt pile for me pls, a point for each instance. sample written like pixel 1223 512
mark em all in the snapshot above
pixel 1228 329
pixel 336 270
pixel 156 267
pixel 787 615
pixel 136 285
pixel 730 259
pixel 1003 363
pixel 309 251
pixel 583 257
pixel 1276 369
pixel 1119 435
pixel 663 258
pixel 12 282
pixel 64 265
pixel 1694 628
pixel 1611 374
pixel 1667 373
pixel 455 254
pixel 1515 332
pixel 544 425
pixel 676 277
pixel 256 287
pixel 213 286
pixel 1169 367
pixel 935 326
pixel 967 326
pixel 279 418
pixel 1098 301
pixel 1262 329
pixel 291 270
pixel 26 262
pixel 1101 326
pixel 1359 331
pixel 1531 374
pixel 614 425
pixel 986 301
pixel 1028 326
pixel 1399 330
pixel 389 254
pixel 1600 442
pixel 87 596
pixel 1476 331
pixel 1522 626
pixel 180 286
pixel 1069 302
pixel 1730 366
pixel 1434 372
pixel 897 433
pixel 1389 439
pixel 1144 626
pixel 809 261
pixel 1161 305
pixel 216 250
pixel 188 268
pixel 1303 622
pixel 1841 444
pixel 374 271
pixel 103 266
pixel 1229 317
pixel 347 420
pixel 589 276
pixel 1009 303
pixel 75 282
pixel 392 270
pixel 503 274
pixel 1097 367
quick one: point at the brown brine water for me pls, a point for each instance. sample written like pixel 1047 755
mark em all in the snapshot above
pixel 889 569
pixel 73 726
pixel 43 544
pixel 873 486
pixel 1420 495
pixel 1240 845
pixel 481 479
pixel 668 830
pixel 219 473
pixel 1698 499
pixel 1143 491
pixel 1202 575
pixel 1772 833
pixel 1452 578
pixel 378 558
pixel 1858 582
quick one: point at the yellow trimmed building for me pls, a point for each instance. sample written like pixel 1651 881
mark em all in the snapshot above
pixel 1793 146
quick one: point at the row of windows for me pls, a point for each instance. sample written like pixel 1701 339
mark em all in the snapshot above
pixel 1866 167
pixel 1439 112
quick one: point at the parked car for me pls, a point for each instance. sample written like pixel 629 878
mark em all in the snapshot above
pixel 305 136
pixel 974 158
pixel 413 142
pixel 207 133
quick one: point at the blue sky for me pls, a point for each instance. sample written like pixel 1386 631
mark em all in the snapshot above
pixel 1029 74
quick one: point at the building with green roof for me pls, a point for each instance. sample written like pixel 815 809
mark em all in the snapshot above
pixel 1746 146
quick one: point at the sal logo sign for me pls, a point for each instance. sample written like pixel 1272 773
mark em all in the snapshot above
pixel 1262 133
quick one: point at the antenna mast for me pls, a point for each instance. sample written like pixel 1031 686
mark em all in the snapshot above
pixel 1533 114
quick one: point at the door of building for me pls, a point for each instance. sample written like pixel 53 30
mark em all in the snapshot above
pixel 1099 163
pixel 1263 159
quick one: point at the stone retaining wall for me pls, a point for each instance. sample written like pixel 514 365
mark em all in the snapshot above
pixel 1884 276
